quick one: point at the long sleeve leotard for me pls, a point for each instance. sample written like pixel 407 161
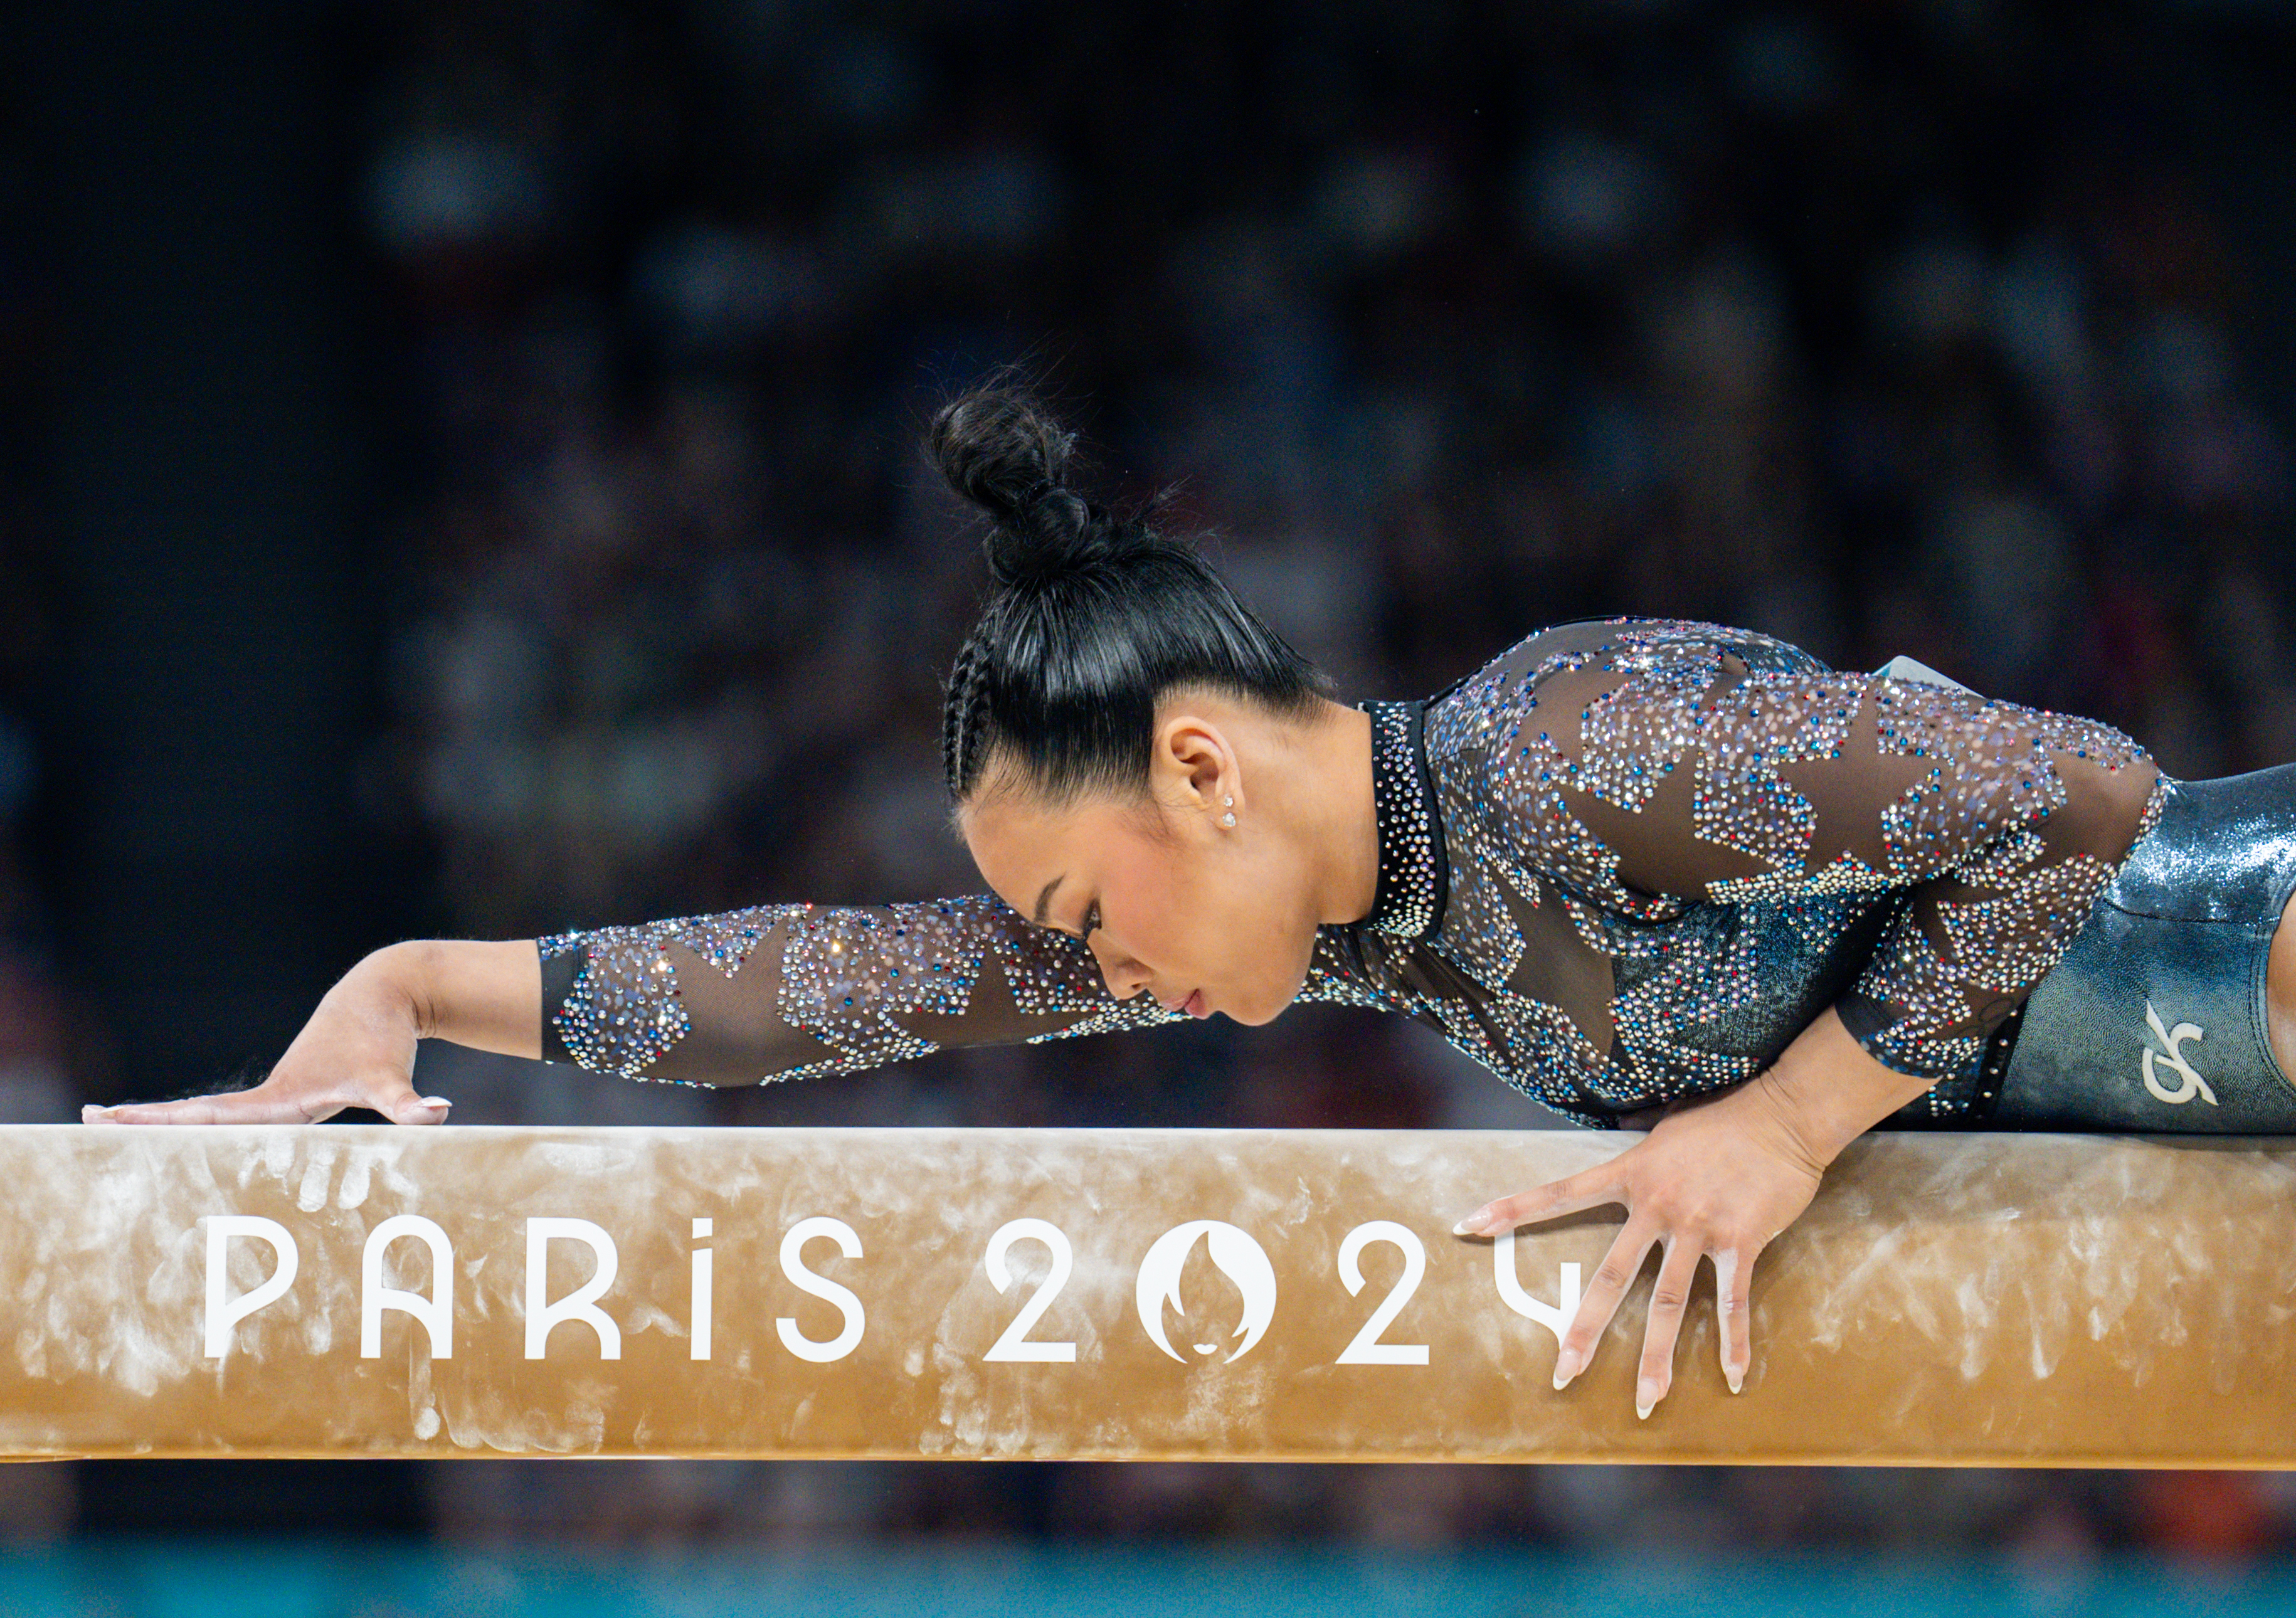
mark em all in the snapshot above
pixel 1624 862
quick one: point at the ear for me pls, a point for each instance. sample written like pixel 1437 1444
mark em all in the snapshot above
pixel 1194 766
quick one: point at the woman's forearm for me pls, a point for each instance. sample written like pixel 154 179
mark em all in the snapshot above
pixel 1827 1090
pixel 357 1048
pixel 487 996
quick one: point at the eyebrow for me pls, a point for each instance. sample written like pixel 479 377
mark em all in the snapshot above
pixel 1046 898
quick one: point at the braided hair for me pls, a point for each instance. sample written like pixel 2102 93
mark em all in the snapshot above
pixel 1090 618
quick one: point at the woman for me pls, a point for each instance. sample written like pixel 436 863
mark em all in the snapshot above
pixel 1657 875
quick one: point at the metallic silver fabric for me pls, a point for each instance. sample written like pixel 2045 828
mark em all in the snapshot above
pixel 2155 1020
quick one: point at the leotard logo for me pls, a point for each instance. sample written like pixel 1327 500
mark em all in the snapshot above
pixel 2171 1056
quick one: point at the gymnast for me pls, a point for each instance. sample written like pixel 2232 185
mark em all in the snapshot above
pixel 1660 875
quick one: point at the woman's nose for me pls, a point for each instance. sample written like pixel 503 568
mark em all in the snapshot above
pixel 1125 976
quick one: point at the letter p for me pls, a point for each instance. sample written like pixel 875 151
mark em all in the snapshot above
pixel 222 1313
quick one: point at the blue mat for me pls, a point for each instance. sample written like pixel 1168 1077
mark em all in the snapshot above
pixel 303 1581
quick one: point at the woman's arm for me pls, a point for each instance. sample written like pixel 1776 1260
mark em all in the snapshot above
pixel 1689 774
pixel 358 1049
pixel 774 991
pixel 1717 1178
pixel 792 990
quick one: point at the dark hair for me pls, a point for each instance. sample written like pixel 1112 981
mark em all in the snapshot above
pixel 1089 618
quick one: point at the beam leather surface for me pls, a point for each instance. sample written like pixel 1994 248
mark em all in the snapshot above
pixel 2052 1299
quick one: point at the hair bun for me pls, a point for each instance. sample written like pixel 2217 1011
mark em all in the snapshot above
pixel 1005 454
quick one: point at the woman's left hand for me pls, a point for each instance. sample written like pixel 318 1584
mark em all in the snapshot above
pixel 1716 1178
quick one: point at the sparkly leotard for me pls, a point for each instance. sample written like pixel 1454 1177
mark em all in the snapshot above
pixel 1624 862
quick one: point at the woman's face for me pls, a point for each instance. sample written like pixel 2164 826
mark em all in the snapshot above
pixel 1201 915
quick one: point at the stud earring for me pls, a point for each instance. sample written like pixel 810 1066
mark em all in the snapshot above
pixel 1228 819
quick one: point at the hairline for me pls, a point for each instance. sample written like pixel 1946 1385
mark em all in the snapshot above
pixel 1003 778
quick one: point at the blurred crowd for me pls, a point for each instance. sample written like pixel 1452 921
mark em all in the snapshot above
pixel 1894 328
pixel 41 1052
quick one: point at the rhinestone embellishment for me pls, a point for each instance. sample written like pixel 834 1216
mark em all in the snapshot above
pixel 1678 843
pixel 1412 868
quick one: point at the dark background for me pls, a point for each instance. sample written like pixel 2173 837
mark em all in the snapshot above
pixel 459 475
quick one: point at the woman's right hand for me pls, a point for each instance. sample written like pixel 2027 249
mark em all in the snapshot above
pixel 356 1050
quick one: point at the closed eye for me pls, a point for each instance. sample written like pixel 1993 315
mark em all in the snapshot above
pixel 1091 921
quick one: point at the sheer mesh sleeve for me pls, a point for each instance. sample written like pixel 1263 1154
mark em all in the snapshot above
pixel 782 991
pixel 1689 771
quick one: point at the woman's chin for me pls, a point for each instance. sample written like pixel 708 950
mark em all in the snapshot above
pixel 1252 1004
pixel 1249 1009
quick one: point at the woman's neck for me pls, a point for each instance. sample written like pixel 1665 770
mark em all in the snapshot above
pixel 1339 814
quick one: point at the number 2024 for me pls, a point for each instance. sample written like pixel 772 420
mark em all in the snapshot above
pixel 1016 1345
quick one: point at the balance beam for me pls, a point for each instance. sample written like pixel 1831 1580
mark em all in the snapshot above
pixel 1112 1294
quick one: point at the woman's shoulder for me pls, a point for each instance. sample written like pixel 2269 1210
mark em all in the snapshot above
pixel 1631 642
pixel 1599 650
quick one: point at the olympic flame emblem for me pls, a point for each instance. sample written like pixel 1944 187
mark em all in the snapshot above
pixel 1242 1261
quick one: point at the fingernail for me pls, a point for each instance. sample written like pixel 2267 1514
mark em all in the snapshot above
pixel 1477 1223
pixel 1566 1366
pixel 94 1114
pixel 439 1102
pixel 1736 1375
pixel 1646 1397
